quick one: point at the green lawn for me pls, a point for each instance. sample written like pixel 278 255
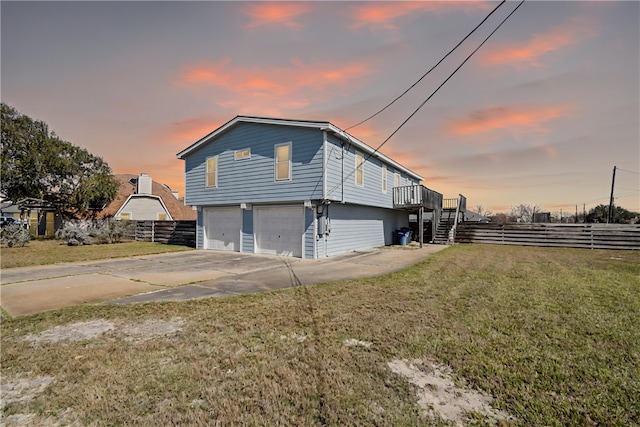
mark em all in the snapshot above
pixel 552 334
pixel 41 252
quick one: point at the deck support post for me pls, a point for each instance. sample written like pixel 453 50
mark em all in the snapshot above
pixel 421 225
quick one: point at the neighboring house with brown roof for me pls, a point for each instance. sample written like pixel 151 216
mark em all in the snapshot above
pixel 141 198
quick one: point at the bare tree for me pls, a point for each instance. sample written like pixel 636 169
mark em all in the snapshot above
pixel 523 212
pixel 480 210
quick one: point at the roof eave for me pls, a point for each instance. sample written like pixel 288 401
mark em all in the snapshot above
pixel 369 150
pixel 324 126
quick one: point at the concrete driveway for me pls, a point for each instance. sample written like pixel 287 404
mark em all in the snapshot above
pixel 186 275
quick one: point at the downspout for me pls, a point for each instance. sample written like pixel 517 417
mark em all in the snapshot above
pixel 325 164
pixel 342 180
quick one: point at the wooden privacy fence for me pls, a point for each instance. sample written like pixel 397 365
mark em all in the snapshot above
pixel 167 232
pixel 593 236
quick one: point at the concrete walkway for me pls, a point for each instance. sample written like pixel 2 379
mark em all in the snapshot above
pixel 186 275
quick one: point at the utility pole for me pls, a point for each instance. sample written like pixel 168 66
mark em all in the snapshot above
pixel 613 181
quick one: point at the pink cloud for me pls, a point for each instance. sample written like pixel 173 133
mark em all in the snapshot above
pixel 276 14
pixel 274 89
pixel 384 15
pixel 191 130
pixel 529 53
pixel 513 118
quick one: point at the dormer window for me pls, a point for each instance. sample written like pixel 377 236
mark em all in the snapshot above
pixel 242 154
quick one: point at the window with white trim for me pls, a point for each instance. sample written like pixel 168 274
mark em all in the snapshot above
pixel 283 162
pixel 396 178
pixel 384 179
pixel 359 169
pixel 212 171
pixel 242 154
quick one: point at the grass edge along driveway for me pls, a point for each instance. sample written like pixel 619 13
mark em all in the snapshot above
pixel 550 334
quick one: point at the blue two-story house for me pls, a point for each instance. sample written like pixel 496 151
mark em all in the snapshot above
pixel 300 188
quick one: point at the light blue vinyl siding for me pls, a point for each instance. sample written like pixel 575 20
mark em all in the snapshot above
pixel 247 242
pixel 356 227
pixel 200 230
pixel 253 180
pixel 309 234
pixel 341 185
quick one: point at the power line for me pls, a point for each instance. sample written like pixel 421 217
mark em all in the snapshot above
pixel 624 170
pixel 430 70
pixel 426 100
pixel 447 79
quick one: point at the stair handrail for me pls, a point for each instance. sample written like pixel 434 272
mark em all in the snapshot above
pixel 452 232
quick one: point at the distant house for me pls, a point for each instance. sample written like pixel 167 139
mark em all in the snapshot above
pixel 298 188
pixel 39 216
pixel 141 198
pixel 475 217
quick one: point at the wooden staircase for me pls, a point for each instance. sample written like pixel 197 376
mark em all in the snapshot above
pixel 444 226
pixel 451 208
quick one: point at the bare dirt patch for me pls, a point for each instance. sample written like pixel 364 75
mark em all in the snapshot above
pixel 438 394
pixel 152 328
pixel 73 332
pixel 22 389
pixel 140 332
pixel 354 342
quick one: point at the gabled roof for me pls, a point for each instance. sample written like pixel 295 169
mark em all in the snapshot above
pixel 321 125
pixel 127 189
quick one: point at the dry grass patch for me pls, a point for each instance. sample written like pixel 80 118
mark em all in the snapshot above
pixel 42 252
pixel 549 334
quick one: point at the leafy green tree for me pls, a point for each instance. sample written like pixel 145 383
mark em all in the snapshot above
pixel 36 163
pixel 601 212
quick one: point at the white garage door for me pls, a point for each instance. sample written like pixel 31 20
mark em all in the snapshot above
pixel 279 230
pixel 222 228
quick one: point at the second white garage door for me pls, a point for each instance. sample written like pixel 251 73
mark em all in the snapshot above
pixel 279 230
pixel 222 228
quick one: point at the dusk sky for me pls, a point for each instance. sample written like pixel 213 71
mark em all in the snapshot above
pixel 540 115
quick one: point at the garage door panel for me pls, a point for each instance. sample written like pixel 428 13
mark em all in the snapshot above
pixel 279 230
pixel 222 228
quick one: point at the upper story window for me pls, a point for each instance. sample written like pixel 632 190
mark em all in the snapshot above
pixel 359 169
pixel 212 171
pixel 283 162
pixel 396 178
pixel 242 154
pixel 384 179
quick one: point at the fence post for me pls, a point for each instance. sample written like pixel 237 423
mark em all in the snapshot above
pixel 153 231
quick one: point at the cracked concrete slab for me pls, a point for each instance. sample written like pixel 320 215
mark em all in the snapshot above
pixel 193 274
pixel 40 295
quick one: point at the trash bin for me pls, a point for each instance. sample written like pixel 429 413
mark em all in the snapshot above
pixel 403 236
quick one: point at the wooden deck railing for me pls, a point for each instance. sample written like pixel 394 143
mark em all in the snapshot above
pixel 459 203
pixel 415 196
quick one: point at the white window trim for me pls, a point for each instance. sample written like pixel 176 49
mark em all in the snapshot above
pixel 357 166
pixel 206 175
pixel 396 179
pixel 384 179
pixel 248 156
pixel 275 162
pixel 126 213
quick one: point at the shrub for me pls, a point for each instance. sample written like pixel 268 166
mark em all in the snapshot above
pixel 15 235
pixel 99 232
pixel 110 231
pixel 74 235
